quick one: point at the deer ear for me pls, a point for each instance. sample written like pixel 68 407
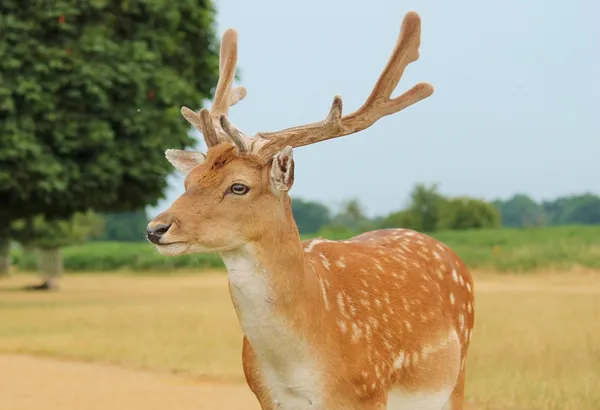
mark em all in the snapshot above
pixel 282 170
pixel 184 161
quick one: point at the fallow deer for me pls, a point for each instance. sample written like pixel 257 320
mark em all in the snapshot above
pixel 380 321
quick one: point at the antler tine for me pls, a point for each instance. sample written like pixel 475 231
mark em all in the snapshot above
pixel 225 95
pixel 237 137
pixel 377 105
pixel 203 123
pixel 268 143
pixel 227 64
pixel 405 52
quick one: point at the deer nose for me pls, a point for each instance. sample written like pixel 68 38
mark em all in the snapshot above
pixel 154 233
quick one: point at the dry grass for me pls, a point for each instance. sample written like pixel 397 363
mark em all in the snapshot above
pixel 182 324
pixel 536 343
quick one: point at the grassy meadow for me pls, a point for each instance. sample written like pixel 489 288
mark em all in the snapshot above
pixel 499 250
pixel 536 343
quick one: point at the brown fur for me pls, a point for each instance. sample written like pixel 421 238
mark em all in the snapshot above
pixel 396 299
pixel 380 321
pixel 395 291
pixel 209 212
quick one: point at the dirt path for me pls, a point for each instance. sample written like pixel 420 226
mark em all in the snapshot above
pixel 35 383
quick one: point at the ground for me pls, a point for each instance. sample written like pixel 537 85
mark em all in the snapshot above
pixel 146 342
pixel 40 383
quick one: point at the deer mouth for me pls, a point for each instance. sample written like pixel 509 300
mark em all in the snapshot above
pixel 172 248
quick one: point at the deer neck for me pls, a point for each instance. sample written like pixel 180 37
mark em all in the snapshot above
pixel 269 280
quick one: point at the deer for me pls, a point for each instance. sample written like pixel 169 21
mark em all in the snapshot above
pixel 382 320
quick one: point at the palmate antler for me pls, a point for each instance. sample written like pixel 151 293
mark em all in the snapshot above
pixel 379 104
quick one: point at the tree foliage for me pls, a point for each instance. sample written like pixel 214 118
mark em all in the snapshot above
pixel 351 216
pixel 430 211
pixel 124 226
pixel 51 234
pixel 422 213
pixel 467 213
pixel 310 216
pixel 399 219
pixel 90 92
pixel 425 204
pixel 576 209
pixel 522 211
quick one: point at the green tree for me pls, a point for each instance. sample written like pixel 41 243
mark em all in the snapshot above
pixel 553 209
pixel 467 213
pixel 310 216
pixel 577 209
pixel 429 211
pixel 49 236
pixel 90 93
pixel 424 208
pixel 521 211
pixel 400 219
pixel 352 217
pixel 124 226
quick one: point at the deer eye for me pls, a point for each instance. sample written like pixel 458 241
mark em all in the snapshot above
pixel 239 189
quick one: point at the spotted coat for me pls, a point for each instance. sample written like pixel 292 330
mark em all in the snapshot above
pixel 391 321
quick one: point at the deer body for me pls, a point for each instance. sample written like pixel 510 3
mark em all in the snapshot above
pixel 385 317
pixel 380 321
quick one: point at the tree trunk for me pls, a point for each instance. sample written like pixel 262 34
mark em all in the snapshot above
pixel 50 266
pixel 5 259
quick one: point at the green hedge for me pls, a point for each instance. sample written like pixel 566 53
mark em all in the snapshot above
pixel 112 256
pixel 514 250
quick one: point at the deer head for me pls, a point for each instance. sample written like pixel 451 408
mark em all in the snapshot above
pixel 237 191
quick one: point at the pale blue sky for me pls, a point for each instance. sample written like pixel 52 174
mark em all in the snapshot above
pixel 516 106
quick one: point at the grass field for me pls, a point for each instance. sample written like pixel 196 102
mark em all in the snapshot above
pixel 536 343
pixel 501 250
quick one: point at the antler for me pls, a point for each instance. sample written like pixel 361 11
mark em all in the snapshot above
pixel 216 128
pixel 377 105
pixel 225 95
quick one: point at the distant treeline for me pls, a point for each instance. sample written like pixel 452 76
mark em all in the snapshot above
pixel 427 210
pixel 522 211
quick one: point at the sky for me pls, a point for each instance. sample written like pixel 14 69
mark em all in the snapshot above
pixel 516 105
